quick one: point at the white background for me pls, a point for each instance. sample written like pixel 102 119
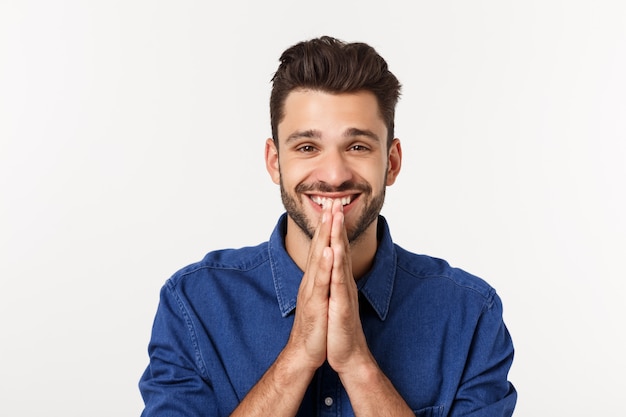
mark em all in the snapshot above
pixel 131 143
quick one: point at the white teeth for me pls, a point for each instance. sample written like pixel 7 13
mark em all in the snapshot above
pixel 325 201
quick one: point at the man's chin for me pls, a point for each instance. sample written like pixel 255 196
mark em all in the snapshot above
pixel 356 233
pixel 303 224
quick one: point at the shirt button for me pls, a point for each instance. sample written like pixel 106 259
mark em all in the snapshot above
pixel 328 401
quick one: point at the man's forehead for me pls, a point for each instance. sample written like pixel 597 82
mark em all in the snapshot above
pixel 306 113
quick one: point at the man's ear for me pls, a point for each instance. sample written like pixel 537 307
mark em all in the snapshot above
pixel 271 160
pixel 394 163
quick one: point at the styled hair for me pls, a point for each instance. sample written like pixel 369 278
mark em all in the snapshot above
pixel 331 65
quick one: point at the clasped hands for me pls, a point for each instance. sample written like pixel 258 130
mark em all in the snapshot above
pixel 327 325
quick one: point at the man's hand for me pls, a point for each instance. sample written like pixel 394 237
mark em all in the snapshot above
pixel 327 323
pixel 346 344
pixel 308 337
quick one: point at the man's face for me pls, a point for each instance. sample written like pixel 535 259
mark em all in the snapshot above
pixel 332 146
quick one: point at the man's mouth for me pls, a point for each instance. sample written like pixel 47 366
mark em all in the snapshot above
pixel 322 201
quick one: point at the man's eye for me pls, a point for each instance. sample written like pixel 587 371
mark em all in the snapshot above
pixel 306 149
pixel 359 148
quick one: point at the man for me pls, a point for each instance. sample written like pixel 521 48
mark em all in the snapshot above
pixel 329 317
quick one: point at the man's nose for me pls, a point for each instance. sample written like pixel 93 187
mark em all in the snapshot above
pixel 334 169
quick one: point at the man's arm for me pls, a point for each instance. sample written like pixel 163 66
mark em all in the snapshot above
pixel 484 389
pixel 172 383
pixel 279 392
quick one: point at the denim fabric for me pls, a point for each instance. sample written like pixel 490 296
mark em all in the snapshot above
pixel 436 332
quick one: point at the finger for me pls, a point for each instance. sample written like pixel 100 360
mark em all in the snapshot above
pixel 321 237
pixel 342 263
pixel 339 232
pixel 319 264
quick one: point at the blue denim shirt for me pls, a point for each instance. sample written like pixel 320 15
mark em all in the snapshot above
pixel 435 331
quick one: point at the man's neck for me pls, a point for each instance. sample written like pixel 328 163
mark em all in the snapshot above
pixel 362 251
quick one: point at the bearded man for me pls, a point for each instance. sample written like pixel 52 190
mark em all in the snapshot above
pixel 329 317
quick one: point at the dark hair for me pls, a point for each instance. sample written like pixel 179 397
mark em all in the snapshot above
pixel 331 65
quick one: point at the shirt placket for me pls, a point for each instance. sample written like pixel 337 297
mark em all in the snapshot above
pixel 329 398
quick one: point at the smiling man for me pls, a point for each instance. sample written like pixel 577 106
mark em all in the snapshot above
pixel 329 317
pixel 335 148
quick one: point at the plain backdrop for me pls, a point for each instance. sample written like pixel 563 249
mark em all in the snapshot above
pixel 131 143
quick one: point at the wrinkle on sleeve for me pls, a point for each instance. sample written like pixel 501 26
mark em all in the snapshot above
pixel 485 389
pixel 172 384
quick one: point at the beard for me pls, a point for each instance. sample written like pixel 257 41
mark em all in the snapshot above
pixel 295 206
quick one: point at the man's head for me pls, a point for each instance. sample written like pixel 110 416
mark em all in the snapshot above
pixel 333 66
pixel 332 110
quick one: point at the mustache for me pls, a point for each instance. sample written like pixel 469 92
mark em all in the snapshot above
pixel 324 187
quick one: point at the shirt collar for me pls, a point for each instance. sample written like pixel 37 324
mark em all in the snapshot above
pixel 376 286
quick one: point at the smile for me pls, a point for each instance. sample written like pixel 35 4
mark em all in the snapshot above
pixel 322 201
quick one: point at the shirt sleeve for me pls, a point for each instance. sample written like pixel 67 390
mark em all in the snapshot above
pixel 485 390
pixel 173 384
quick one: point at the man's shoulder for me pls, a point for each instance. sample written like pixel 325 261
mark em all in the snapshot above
pixel 437 270
pixel 224 260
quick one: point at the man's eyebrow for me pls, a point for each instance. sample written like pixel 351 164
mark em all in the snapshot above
pixel 316 134
pixel 353 131
pixel 307 134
